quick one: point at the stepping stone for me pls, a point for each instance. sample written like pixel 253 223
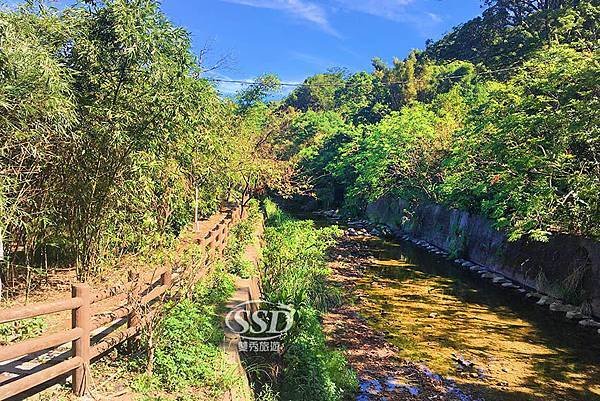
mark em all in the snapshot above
pixel 546 300
pixel 509 285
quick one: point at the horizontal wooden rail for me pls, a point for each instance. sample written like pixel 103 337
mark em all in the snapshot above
pixel 104 319
pixel 29 311
pixel 13 351
pixel 113 341
pixel 155 293
pixel 27 382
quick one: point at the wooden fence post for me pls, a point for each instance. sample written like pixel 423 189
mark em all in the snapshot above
pixel 80 318
pixel 132 318
pixel 167 278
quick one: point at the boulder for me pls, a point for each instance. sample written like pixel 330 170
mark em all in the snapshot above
pixel 560 307
pixel 576 315
pixel 590 323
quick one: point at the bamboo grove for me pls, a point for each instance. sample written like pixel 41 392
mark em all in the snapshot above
pixel 109 135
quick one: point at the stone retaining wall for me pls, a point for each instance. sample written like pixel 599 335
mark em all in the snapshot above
pixel 543 266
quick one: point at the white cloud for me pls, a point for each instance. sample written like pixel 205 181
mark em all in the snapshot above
pixel 390 9
pixel 405 11
pixel 301 9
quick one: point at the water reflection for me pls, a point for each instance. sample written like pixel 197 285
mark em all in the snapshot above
pixel 490 339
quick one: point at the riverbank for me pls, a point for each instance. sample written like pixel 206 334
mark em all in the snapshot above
pixel 565 268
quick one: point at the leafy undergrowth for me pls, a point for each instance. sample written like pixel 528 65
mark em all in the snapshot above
pixel 240 237
pixel 21 330
pixel 295 273
pixel 188 361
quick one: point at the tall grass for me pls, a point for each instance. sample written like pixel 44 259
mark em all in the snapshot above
pixel 295 273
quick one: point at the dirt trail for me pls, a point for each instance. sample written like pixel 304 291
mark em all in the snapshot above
pixel 382 375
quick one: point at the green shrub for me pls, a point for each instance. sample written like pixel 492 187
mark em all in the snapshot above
pixel 295 272
pixel 313 371
pixel 188 352
pixel 21 330
pixel 294 261
pixel 242 235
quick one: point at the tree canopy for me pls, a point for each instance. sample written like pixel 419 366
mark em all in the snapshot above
pixel 499 117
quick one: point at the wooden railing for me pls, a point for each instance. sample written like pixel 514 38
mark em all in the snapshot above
pixel 91 336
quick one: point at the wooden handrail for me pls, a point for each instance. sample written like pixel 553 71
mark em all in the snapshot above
pixel 155 293
pixel 82 324
pixel 13 351
pixel 27 382
pixel 29 311
pixel 104 319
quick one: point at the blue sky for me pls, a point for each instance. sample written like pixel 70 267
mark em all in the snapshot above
pixel 298 38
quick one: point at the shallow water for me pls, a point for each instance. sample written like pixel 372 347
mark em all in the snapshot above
pixel 447 318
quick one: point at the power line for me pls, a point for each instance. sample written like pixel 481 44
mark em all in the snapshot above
pixel 300 84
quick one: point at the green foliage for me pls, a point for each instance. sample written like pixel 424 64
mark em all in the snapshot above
pixel 313 371
pixel 37 111
pixel 294 260
pixel 519 145
pixel 240 236
pixel 510 30
pixel 258 92
pixel 317 92
pixel 294 273
pixel 536 143
pixel 188 352
pixel 107 132
pixel 21 330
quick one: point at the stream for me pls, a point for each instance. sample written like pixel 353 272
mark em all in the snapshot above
pixel 493 342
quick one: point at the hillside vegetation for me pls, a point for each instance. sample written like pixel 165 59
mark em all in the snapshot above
pixel 499 117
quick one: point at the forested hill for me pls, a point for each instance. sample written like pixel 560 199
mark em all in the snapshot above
pixel 499 117
pixel 509 30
